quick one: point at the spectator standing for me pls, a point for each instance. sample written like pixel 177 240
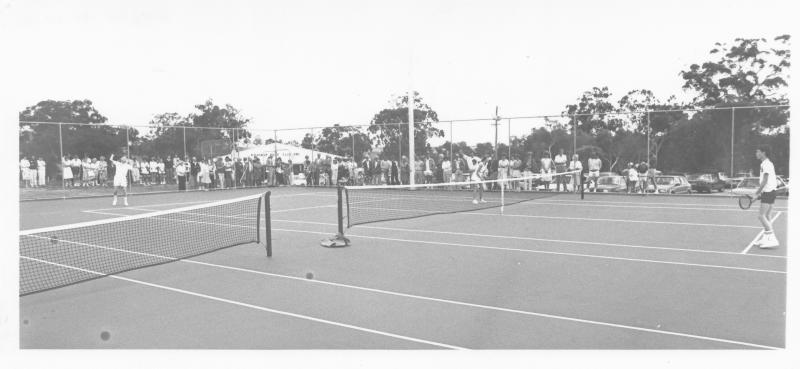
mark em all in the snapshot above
pixel 560 162
pixel 447 170
pixel 632 178
pixel 180 173
pixel 42 166
pixel 643 170
pixel 546 169
pixel 405 170
pixel 576 166
pixel 594 171
pixel 219 170
pixel 169 170
pixel 307 171
pixel 502 171
pixel 194 171
pixel 395 171
pixel 386 167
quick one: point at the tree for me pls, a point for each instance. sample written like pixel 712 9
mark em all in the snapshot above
pixel 749 71
pixel 592 109
pixel 210 126
pixel 87 136
pixel 652 117
pixel 340 140
pixel 389 126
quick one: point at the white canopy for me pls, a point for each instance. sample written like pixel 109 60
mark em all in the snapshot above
pixel 286 152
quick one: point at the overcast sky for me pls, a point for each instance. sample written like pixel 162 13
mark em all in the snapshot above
pixel 310 63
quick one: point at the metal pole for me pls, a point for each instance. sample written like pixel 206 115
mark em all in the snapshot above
pixel 184 143
pixel 451 141
pixel 733 119
pixel 496 123
pixel 61 158
pixel 509 139
pixel 411 135
pixel 574 134
pixel 648 139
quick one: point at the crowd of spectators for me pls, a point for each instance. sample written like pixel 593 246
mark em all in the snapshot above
pixel 541 172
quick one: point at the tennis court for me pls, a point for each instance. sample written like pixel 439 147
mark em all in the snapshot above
pixel 605 272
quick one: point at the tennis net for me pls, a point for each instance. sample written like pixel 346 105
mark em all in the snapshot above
pixel 369 204
pixel 59 256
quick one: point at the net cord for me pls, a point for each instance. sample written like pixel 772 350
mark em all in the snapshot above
pixel 135 217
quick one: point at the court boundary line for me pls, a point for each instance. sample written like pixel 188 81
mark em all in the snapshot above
pixel 465 245
pixel 480 306
pixel 758 235
pixel 585 203
pixel 477 212
pixel 257 307
pixel 373 290
pixel 524 238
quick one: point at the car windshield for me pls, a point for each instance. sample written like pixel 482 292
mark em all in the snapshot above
pixel 608 180
pixel 749 183
pixel 701 177
pixel 664 180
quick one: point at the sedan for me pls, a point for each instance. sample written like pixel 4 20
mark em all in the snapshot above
pixel 706 182
pixel 673 184
pixel 611 184
pixel 749 186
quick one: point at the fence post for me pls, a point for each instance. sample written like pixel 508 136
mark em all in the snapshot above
pixel 61 159
pixel 648 139
pixel 733 134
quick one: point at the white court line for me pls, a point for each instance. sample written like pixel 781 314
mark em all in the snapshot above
pixel 753 242
pixel 473 213
pixel 582 203
pixel 158 204
pixel 480 306
pixel 645 203
pixel 534 239
pixel 544 252
pixel 257 307
pixel 385 292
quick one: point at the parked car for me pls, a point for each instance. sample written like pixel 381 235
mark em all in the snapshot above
pixel 673 184
pixel 750 185
pixel 611 184
pixel 706 182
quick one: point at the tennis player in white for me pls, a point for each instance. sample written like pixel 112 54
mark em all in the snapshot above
pixel 767 189
pixel 121 178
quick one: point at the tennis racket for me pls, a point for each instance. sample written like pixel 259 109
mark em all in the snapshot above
pixel 745 201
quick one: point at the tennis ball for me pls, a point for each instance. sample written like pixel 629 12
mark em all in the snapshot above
pixel 309 275
pixel 105 335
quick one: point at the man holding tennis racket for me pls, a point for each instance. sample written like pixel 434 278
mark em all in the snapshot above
pixel 766 192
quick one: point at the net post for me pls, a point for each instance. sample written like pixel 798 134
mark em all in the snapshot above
pixel 339 240
pixel 339 211
pixel 258 220
pixel 268 223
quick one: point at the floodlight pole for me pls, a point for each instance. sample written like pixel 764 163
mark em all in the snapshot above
pixel 61 160
pixel 733 119
pixel 411 136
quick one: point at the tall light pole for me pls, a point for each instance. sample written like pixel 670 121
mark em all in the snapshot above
pixel 411 135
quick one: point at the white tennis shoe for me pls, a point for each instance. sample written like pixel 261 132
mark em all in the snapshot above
pixel 768 241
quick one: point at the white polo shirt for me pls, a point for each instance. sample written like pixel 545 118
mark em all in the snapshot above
pixel 772 181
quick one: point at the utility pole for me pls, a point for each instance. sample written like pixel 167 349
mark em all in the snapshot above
pixel 496 124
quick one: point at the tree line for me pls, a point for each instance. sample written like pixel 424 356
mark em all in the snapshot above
pixel 683 137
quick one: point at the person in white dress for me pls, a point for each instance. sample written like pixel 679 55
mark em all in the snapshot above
pixel 576 166
pixel 66 171
pixel 42 168
pixel 122 166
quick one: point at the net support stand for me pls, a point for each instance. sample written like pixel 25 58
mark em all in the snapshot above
pixel 268 223
pixel 339 240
